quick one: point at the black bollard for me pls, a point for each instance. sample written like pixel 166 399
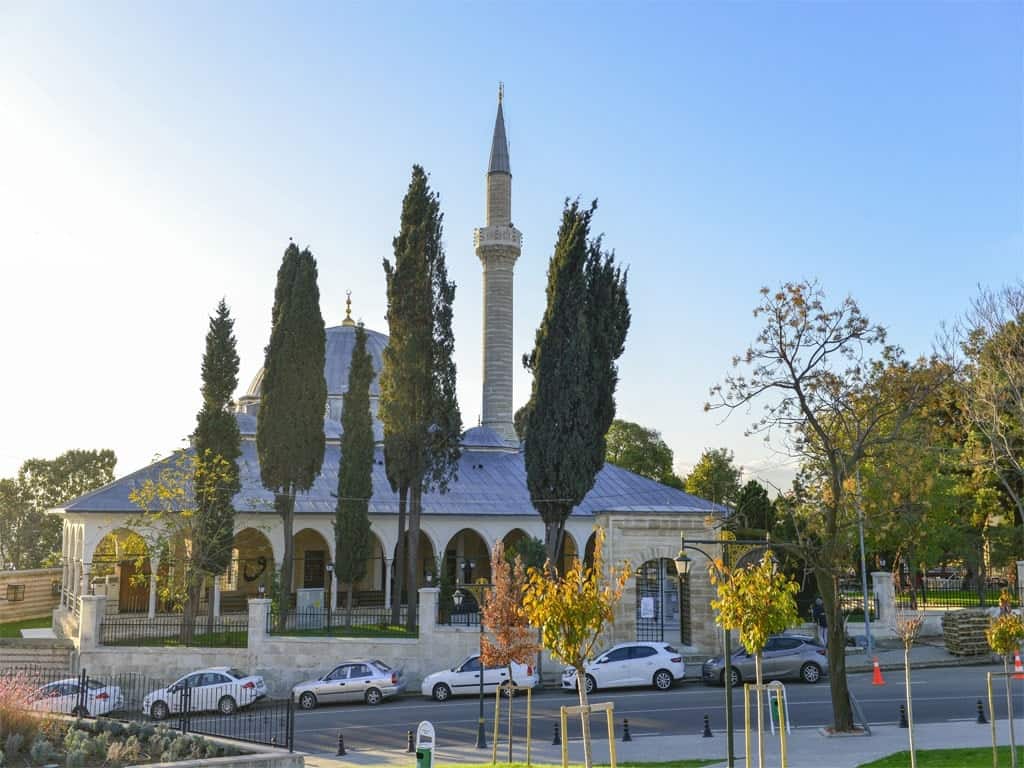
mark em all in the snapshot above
pixel 981 714
pixel 558 735
pixel 409 745
pixel 341 745
pixel 625 731
pixel 707 728
pixel 903 716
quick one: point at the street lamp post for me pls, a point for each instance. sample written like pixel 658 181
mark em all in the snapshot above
pixel 683 563
pixel 458 597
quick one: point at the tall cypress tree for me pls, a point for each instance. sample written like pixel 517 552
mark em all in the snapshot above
pixel 422 422
pixel 217 439
pixel 572 402
pixel 290 430
pixel 355 473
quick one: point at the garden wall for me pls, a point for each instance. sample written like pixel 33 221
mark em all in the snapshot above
pixel 34 587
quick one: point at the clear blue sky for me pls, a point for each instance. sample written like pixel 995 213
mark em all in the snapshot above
pixel 155 156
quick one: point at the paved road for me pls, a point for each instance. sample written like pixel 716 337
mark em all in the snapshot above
pixel 940 695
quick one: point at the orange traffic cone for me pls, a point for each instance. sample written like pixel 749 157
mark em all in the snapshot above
pixel 876 678
pixel 1018 668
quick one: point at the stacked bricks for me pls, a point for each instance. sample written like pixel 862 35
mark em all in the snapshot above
pixel 964 632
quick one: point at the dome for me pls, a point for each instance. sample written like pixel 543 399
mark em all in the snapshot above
pixel 341 339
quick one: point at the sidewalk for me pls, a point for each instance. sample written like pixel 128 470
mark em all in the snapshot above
pixel 926 654
pixel 807 748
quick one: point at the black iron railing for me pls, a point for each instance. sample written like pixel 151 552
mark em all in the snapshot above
pixel 174 630
pixel 322 622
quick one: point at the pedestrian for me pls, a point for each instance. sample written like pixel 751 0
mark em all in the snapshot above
pixel 818 615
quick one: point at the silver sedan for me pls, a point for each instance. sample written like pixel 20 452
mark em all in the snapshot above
pixel 784 657
pixel 370 681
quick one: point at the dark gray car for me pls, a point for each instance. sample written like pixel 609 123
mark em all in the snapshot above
pixel 785 657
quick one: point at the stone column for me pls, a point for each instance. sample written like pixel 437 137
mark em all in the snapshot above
pixel 388 582
pixel 334 592
pixel 154 567
pixel 86 567
pixel 429 597
pixel 90 621
pixel 885 591
pixel 216 595
pixel 259 615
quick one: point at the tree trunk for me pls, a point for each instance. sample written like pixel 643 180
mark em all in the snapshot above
pixel 348 606
pixel 842 712
pixel 285 503
pixel 193 587
pixel 1009 710
pixel 910 708
pixel 398 579
pixel 511 693
pixel 760 709
pixel 581 687
pixel 554 533
pixel 412 556
pixel 210 618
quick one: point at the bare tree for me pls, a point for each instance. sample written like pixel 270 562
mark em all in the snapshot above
pixel 825 377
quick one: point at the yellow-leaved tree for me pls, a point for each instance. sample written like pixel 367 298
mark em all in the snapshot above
pixel 572 610
pixel 509 638
pixel 1004 635
pixel 758 601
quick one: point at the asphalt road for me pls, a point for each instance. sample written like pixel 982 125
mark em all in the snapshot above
pixel 939 695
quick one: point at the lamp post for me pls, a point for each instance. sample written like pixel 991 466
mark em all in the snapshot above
pixel 457 598
pixel 329 596
pixel 683 563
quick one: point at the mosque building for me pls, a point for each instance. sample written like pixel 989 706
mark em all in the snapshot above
pixel 488 502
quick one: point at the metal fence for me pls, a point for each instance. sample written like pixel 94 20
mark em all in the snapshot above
pixel 324 622
pixel 222 632
pixel 230 710
pixel 953 592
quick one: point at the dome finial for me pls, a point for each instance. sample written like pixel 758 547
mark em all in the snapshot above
pixel 348 309
pixel 501 91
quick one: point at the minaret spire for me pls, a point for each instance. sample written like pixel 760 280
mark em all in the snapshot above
pixel 348 309
pixel 498 245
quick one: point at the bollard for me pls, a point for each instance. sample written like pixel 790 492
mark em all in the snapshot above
pixel 409 746
pixel 341 745
pixel 625 731
pixel 981 714
pixel 707 728
pixel 903 716
pixel 558 735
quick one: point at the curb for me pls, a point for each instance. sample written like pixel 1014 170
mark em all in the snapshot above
pixel 966 661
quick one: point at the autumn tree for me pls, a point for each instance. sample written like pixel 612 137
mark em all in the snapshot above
pixel 1004 635
pixel 641 450
pixel 290 430
pixel 574 367
pixel 573 609
pixel 758 601
pixel 715 476
pixel 826 399
pixel 509 638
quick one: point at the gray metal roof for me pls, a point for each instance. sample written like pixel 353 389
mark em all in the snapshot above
pixel 341 339
pixel 499 146
pixel 484 437
pixel 489 483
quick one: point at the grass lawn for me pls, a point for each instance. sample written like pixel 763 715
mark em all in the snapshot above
pixel 360 630
pixel 13 628
pixel 980 757
pixel 669 764
pixel 234 639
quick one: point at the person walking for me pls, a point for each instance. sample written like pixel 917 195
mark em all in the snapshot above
pixel 818 616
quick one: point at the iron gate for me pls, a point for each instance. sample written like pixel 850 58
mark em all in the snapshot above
pixel 650 599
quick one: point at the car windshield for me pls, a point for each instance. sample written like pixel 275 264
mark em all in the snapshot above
pixel 236 674
pixel 94 684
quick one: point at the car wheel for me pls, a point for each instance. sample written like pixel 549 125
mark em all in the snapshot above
pixel 663 680
pixel 80 712
pixel 441 692
pixel 591 684
pixel 227 705
pixel 810 673
pixel 374 696
pixel 159 710
pixel 735 678
pixel 307 700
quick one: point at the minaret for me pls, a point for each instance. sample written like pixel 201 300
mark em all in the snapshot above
pixel 498 246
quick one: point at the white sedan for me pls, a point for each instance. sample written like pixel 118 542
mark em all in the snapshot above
pixel 464 679
pixel 220 689
pixel 65 697
pixel 656 664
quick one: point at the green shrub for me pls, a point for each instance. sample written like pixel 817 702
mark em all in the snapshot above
pixel 75 759
pixel 42 751
pixel 15 741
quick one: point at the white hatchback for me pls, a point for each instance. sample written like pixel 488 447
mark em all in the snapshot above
pixel 217 689
pixel 464 679
pixel 655 664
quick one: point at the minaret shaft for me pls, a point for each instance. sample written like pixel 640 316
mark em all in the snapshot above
pixel 498 245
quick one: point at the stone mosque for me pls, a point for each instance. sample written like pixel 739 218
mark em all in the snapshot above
pixel 489 500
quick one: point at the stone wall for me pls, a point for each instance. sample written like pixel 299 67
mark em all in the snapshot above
pixel 37 596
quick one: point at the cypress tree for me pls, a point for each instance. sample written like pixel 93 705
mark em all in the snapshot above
pixel 355 473
pixel 290 430
pixel 217 439
pixel 418 406
pixel 572 401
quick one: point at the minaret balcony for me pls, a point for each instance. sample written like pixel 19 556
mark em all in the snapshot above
pixel 484 236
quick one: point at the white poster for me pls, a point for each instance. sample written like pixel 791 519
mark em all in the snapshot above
pixel 646 607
